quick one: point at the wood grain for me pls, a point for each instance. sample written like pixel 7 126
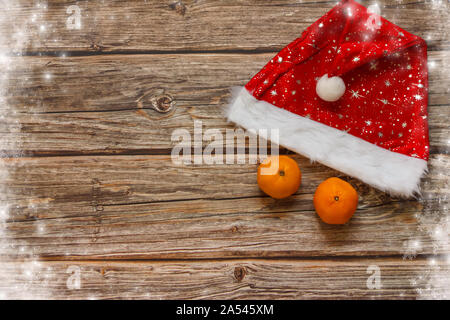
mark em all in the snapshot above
pixel 164 26
pixel 88 182
pixel 89 106
pixel 227 279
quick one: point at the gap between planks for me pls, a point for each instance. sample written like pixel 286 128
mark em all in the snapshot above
pixel 87 53
pixel 337 259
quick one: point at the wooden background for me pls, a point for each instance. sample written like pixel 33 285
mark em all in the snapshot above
pixel 88 183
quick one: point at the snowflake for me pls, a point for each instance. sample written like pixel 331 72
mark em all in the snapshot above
pixel 356 59
pixel 404 124
pixel 355 94
pixel 418 97
pixel 387 83
pixel 349 12
pixel 273 93
pixel 368 122
pixel 412 248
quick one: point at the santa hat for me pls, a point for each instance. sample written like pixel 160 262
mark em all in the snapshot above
pixel 349 93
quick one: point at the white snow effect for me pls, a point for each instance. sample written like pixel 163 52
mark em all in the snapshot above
pixel 434 225
pixel 20 269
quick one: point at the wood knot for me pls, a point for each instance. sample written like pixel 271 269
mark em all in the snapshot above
pixel 179 7
pixel 163 103
pixel 157 100
pixel 96 47
pixel 239 273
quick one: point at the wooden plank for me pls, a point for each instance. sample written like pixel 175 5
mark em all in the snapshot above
pixel 227 279
pixel 146 207
pixel 90 104
pixel 117 82
pixel 188 25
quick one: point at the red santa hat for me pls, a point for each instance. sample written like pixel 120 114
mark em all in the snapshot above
pixel 349 93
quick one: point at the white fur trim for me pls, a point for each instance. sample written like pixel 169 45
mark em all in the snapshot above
pixel 388 171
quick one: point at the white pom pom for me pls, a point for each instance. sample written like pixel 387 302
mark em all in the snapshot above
pixel 330 89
